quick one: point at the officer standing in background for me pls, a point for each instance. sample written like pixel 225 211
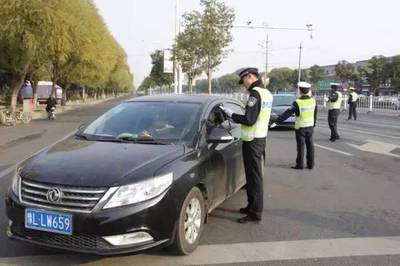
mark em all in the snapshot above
pixel 334 104
pixel 254 124
pixel 353 98
pixel 305 109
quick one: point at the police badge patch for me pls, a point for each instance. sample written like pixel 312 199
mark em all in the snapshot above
pixel 252 101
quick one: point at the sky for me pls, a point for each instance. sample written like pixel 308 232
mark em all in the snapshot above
pixel 343 30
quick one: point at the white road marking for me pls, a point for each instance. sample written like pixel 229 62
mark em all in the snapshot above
pixel 363 132
pixel 246 252
pixel 12 168
pixel 377 147
pixel 334 150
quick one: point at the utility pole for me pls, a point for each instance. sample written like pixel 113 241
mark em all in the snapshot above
pixel 176 65
pixel 266 61
pixel 299 69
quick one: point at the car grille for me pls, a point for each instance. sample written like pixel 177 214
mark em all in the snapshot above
pixel 75 241
pixel 74 199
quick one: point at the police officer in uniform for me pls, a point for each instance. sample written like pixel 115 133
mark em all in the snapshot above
pixel 353 98
pixel 254 124
pixel 305 109
pixel 334 104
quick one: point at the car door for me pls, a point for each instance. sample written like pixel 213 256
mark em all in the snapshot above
pixel 235 177
pixel 217 158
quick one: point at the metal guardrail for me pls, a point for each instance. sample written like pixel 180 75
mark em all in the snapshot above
pixel 380 104
pixel 377 104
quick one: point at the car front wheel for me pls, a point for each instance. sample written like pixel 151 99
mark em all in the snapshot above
pixel 190 223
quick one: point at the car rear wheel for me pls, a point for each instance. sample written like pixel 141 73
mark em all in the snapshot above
pixel 190 223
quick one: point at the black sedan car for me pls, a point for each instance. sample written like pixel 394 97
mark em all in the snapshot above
pixel 145 174
pixel 281 102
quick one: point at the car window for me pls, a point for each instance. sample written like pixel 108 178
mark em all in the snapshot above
pixel 283 100
pixel 160 120
pixel 215 117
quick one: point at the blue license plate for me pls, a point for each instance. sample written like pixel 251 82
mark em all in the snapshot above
pixel 48 221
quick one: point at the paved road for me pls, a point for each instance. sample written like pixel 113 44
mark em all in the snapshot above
pixel 344 212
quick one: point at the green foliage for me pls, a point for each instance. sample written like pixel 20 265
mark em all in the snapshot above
pixel 392 70
pixel 65 40
pixel 147 83
pixel 157 71
pixel 281 78
pixel 345 71
pixel 228 83
pixel 202 44
pixel 375 71
pixel 316 73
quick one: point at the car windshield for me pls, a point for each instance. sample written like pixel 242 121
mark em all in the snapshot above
pixel 146 121
pixel 283 100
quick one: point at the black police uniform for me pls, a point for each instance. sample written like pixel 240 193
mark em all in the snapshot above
pixel 352 108
pixel 303 136
pixel 253 154
pixel 333 116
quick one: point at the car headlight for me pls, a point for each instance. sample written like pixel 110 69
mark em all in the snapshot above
pixel 15 182
pixel 141 191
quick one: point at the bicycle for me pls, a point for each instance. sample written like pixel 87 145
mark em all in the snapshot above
pixel 24 117
pixel 6 118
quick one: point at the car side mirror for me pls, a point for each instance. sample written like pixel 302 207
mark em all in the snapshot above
pixel 219 135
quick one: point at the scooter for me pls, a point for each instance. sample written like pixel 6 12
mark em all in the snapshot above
pixel 52 113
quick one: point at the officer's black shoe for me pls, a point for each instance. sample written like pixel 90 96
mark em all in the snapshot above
pixel 245 210
pixel 297 167
pixel 249 219
pixel 310 167
pixel 332 139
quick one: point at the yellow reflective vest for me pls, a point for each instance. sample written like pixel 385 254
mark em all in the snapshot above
pixel 354 96
pixel 306 113
pixel 260 128
pixel 336 104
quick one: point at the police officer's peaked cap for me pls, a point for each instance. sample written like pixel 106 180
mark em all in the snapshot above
pixel 304 85
pixel 352 88
pixel 245 71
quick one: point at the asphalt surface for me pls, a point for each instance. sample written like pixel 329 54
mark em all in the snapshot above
pixel 352 193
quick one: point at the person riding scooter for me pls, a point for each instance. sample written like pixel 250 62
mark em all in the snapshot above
pixel 51 107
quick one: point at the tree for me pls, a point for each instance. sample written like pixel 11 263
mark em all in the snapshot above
pixel 187 52
pixel 345 71
pixel 294 78
pixel 146 84
pixel 25 27
pixel 157 71
pixel 212 31
pixel 375 72
pixel 281 78
pixel 316 73
pixel 393 71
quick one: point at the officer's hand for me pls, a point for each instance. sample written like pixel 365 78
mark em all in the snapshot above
pixel 226 110
pixel 273 125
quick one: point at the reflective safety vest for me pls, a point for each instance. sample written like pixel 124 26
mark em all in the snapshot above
pixel 354 96
pixel 337 104
pixel 306 116
pixel 260 128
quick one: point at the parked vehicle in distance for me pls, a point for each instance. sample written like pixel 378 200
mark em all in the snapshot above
pixel 280 103
pixel 43 91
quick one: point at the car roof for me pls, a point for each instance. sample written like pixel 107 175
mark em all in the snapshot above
pixel 189 98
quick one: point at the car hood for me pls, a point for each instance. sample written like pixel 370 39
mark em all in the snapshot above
pixel 78 162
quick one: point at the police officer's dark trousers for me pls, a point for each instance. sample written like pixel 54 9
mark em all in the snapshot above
pixel 333 115
pixel 253 152
pixel 304 137
pixel 353 110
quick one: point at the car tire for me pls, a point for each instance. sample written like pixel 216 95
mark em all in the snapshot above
pixel 190 223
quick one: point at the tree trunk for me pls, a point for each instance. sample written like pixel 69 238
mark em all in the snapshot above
pixel 35 84
pixel 83 94
pixel 64 95
pixel 16 84
pixel 209 80
pixel 190 81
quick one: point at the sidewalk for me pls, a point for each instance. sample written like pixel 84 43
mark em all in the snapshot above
pixel 40 112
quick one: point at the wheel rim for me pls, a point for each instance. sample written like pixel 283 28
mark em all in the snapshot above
pixel 192 220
